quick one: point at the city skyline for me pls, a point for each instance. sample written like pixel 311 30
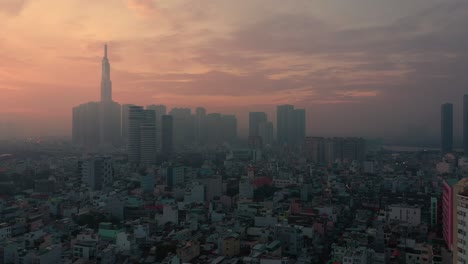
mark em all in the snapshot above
pixel 234 132
pixel 224 69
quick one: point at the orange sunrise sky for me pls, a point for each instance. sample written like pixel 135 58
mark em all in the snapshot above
pixel 361 67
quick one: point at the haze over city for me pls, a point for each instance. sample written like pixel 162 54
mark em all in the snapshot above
pixel 359 68
pixel 234 131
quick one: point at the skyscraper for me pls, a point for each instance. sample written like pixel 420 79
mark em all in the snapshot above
pixel 141 136
pixel 465 125
pixel 213 129
pixel 184 126
pixel 124 122
pixel 110 111
pixel 283 123
pixel 148 138
pixel 291 125
pixel 107 113
pixel 446 128
pixel 159 111
pixel 85 131
pixel 110 124
pixel 135 117
pixel 265 130
pixel 106 83
pixel 167 144
pixel 298 126
pixel 255 119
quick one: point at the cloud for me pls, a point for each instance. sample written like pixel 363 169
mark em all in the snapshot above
pixel 354 94
pixel 144 8
pixel 12 7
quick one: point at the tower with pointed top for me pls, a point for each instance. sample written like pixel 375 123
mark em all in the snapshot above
pixel 96 125
pixel 106 83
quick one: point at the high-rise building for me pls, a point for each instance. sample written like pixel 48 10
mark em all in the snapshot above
pixel 110 111
pixel 283 123
pixel 110 119
pixel 135 117
pixel 465 124
pixel 460 254
pixel 108 115
pixel 148 138
pixel 265 130
pixel 454 227
pixel 447 211
pixel 85 131
pixel 184 126
pixel 141 136
pixel 124 122
pixel 291 125
pixel 159 111
pixel 106 83
pixel 212 129
pixel 447 128
pixel 167 143
pixel 97 172
pixel 255 119
pixel 298 126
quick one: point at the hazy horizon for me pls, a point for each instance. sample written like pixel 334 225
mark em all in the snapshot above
pixel 359 68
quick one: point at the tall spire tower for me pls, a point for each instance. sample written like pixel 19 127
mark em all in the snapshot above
pixel 106 83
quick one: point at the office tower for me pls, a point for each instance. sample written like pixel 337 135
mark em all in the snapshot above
pixel 212 129
pixel 148 138
pixel 97 173
pixel 291 125
pixel 85 131
pixel 110 111
pixel 200 116
pixel 135 117
pixel 265 131
pixel 124 122
pixel 141 136
pixel 184 126
pixel 106 83
pixel 447 128
pixel 167 144
pixel 255 119
pixel 110 125
pixel 465 124
pixel 298 126
pixel 229 128
pixel 283 123
pixel 159 111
